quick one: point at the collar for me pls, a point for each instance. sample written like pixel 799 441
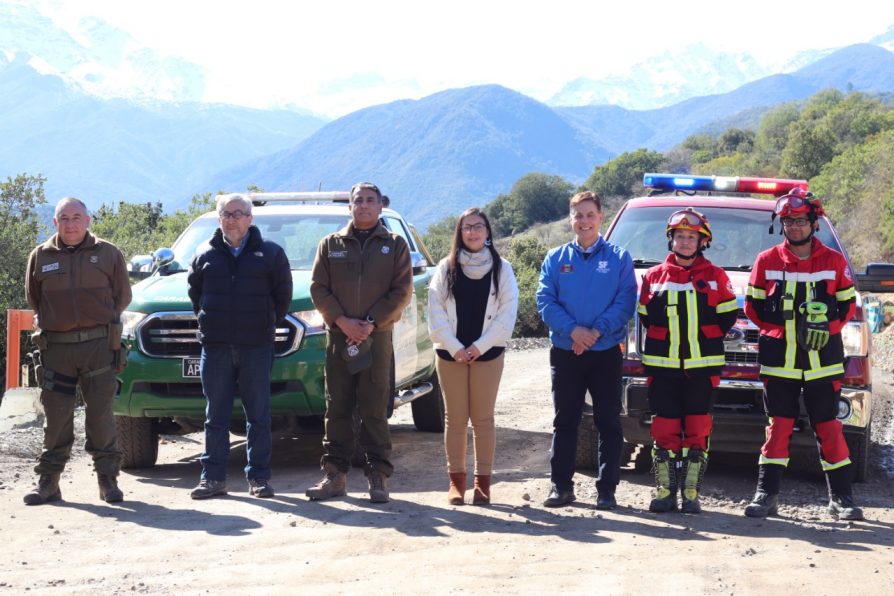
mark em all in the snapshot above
pixel 55 243
pixel 596 247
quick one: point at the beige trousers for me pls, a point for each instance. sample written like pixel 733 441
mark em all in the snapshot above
pixel 470 393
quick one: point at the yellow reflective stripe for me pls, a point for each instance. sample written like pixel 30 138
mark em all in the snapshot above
pixel 827 466
pixel 642 309
pixel 791 343
pixel 695 352
pixel 780 371
pixel 824 371
pixel 661 361
pixel 673 324
pixel 728 306
pixel 842 295
pixel 755 292
pixel 783 461
pixel 703 362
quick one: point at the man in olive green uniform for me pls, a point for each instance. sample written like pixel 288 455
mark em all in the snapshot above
pixel 361 281
pixel 78 286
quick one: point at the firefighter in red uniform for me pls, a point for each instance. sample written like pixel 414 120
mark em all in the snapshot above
pixel 686 306
pixel 800 295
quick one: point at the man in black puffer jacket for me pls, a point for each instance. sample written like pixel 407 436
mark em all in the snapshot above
pixel 241 287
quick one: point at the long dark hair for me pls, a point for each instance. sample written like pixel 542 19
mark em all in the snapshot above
pixel 457 245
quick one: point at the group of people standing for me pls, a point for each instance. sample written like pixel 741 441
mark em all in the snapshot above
pixel 800 295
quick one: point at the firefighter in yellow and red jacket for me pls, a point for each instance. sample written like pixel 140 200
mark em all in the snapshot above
pixel 801 294
pixel 686 306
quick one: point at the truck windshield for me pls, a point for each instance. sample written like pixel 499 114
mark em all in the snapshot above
pixel 739 234
pixel 298 234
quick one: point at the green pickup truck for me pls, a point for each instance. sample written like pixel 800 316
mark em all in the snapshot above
pixel 160 391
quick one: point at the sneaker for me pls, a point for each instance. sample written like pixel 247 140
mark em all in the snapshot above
pixel 605 500
pixel 843 507
pixel 557 497
pixel 260 487
pixel 762 505
pixel 378 487
pixel 209 488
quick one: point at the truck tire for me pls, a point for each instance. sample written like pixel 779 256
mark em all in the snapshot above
pixel 858 445
pixel 587 455
pixel 138 442
pixel 428 410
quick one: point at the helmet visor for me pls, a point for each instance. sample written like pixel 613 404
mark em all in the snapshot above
pixel 691 219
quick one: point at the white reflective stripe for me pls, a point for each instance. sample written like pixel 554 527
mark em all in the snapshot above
pixel 673 324
pixel 779 371
pixel 827 466
pixel 670 286
pixel 799 277
pixel 704 362
pixel 692 325
pixel 661 361
pixel 728 306
pixel 847 294
pixel 782 461
pixel 824 371
pixel 757 293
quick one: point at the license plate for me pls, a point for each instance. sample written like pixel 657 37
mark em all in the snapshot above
pixel 191 367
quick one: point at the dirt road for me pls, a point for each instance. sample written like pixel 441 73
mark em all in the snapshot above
pixel 160 541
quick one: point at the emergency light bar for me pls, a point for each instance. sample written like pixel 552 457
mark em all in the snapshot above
pixel 770 186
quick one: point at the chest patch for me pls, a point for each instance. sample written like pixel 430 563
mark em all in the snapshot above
pixel 602 267
pixel 94 259
pixel 50 267
pixel 385 250
pixel 258 253
pixel 338 254
pixel 566 268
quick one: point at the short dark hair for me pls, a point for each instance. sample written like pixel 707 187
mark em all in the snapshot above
pixel 367 185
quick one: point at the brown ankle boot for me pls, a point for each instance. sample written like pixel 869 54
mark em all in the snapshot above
pixel 457 493
pixel 482 490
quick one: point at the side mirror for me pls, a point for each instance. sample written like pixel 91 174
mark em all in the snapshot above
pixel 140 267
pixel 162 257
pixel 420 263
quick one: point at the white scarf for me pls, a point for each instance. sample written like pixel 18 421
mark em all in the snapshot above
pixel 476 264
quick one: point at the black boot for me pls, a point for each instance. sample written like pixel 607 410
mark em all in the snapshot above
pixel 841 500
pixel 691 474
pixel 108 489
pixel 664 466
pixel 766 498
pixel 47 490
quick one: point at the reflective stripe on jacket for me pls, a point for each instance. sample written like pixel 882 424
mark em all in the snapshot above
pixel 780 282
pixel 686 312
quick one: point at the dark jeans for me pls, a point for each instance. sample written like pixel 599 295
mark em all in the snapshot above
pixel 599 373
pixel 369 391
pixel 224 368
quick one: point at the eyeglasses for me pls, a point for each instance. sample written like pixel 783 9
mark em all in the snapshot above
pixel 792 222
pixel 478 227
pixel 237 215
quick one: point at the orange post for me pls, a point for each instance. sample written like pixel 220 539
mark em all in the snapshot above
pixel 16 322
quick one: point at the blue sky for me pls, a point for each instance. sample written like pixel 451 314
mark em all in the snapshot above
pixel 335 57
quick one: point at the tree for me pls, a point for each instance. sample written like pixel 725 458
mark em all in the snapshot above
pixel 534 198
pixel 20 229
pixel 622 177
pixel 439 237
pixel 526 255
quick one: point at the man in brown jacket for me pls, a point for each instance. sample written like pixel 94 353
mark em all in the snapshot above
pixel 361 281
pixel 77 284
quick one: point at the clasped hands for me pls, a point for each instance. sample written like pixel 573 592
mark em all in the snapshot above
pixel 356 330
pixel 467 355
pixel 583 339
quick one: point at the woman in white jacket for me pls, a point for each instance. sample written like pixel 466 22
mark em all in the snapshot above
pixel 472 303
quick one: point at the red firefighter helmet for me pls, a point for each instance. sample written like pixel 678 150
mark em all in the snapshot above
pixel 689 219
pixel 799 202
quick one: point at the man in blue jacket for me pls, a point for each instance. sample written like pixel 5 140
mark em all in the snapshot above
pixel 241 287
pixel 586 295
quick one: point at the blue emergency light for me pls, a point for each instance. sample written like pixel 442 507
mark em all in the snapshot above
pixel 683 182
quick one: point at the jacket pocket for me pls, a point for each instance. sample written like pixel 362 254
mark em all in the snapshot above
pixel 711 331
pixel 655 332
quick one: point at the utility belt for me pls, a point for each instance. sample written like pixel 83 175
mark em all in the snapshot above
pixel 53 381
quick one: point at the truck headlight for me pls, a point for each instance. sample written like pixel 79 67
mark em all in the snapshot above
pixel 130 319
pixel 855 337
pixel 312 320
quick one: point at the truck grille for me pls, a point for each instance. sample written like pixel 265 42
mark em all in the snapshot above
pixel 175 335
pixel 742 348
